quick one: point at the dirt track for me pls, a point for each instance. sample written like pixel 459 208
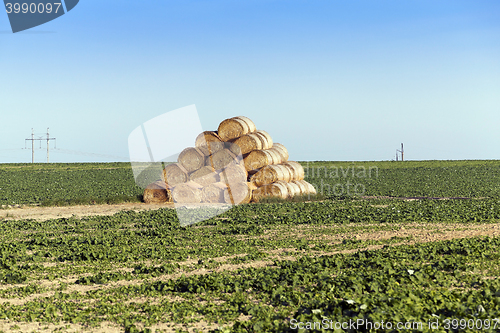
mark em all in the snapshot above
pixel 47 213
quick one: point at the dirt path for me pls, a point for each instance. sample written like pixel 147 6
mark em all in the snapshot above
pixel 46 213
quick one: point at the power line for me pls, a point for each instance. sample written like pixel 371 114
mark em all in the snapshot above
pixel 40 138
pixel 76 152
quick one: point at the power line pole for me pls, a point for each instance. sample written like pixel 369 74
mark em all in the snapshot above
pixel 48 139
pixel 402 153
pixel 32 147
pixel 39 139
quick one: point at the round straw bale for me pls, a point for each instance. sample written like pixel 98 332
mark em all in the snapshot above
pixel 298 170
pixel 259 193
pixel 246 144
pixel 293 189
pixel 275 156
pixel 278 190
pixel 213 193
pixel 233 128
pixel 221 159
pixel 238 193
pixel 189 192
pixel 157 192
pixel 234 173
pixel 267 141
pixel 309 188
pixel 207 136
pixel 270 174
pixel 260 158
pixel 262 139
pixel 204 176
pixel 191 159
pixel 287 173
pixel 252 186
pixel 174 174
pixel 211 147
pixel 256 160
pixel 282 150
pixel 209 142
pixel 233 147
pixel 302 187
pixel 250 124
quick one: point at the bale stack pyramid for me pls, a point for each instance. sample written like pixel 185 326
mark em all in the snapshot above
pixel 233 165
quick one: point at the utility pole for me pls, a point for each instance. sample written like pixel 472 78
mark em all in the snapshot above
pixel 48 139
pixel 402 153
pixel 32 146
pixel 38 139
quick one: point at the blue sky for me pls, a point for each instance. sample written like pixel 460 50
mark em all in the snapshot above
pixel 331 80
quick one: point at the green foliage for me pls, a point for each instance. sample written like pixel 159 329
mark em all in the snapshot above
pixel 67 184
pixel 256 267
pixel 163 261
pixel 97 183
pixel 406 179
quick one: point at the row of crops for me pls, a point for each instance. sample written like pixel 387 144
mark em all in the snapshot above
pixel 56 184
pixel 255 268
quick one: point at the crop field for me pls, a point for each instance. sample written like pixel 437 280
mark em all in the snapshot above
pixel 390 247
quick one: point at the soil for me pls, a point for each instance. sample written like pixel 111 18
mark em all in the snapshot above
pixel 409 233
pixel 47 213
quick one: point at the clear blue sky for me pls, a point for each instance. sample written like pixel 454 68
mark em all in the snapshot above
pixel 330 79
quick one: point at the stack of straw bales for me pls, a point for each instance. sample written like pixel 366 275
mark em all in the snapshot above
pixel 235 164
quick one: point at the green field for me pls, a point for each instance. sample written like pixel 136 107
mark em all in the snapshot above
pixel 74 183
pixel 56 184
pixel 259 267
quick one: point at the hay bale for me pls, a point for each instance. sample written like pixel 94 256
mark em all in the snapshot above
pixel 234 173
pixel 189 192
pixel 267 141
pixel 157 192
pixel 238 190
pixel 191 159
pixel 278 190
pixel 252 186
pixel 293 189
pixel 297 169
pixel 302 187
pixel 246 143
pixel 209 142
pixel 204 176
pixel 174 174
pixel 271 174
pixel 282 151
pixel 250 124
pixel 260 158
pixel 309 189
pixel 235 127
pixel 214 193
pixel 253 141
pixel 238 193
pixel 221 159
pixel 287 173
